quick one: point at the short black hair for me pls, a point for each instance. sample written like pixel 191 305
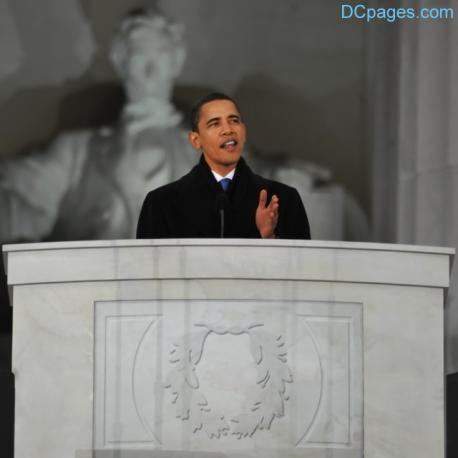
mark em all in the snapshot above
pixel 196 109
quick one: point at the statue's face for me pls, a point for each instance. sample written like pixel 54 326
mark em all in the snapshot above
pixel 152 65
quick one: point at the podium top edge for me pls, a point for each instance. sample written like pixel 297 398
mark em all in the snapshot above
pixel 131 243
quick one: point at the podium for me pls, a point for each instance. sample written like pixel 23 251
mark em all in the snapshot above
pixel 234 348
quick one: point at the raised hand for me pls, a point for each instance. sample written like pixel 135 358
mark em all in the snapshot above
pixel 267 215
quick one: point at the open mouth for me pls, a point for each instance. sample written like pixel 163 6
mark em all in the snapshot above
pixel 229 145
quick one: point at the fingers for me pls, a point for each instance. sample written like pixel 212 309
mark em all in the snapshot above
pixel 267 215
pixel 262 198
pixel 273 207
pixel 273 204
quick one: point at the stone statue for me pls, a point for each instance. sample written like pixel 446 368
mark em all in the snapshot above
pixel 90 184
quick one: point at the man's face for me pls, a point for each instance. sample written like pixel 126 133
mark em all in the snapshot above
pixel 221 135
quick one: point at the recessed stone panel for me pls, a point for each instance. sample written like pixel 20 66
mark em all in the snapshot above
pixel 248 377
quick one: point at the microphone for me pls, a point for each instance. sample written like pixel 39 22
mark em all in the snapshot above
pixel 222 203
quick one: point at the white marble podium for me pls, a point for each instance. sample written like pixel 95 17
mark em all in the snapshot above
pixel 229 348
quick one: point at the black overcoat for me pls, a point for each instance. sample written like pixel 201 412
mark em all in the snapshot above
pixel 191 207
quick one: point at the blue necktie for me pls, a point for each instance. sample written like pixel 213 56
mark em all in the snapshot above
pixel 225 183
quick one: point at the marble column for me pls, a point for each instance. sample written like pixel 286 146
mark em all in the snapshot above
pixel 414 107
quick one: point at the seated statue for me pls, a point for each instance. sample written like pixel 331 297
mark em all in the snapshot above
pixel 90 184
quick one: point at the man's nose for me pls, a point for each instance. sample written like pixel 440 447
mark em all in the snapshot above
pixel 226 128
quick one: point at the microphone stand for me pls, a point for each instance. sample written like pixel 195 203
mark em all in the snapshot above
pixel 221 216
pixel 221 203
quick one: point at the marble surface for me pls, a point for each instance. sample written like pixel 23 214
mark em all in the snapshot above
pixel 363 368
pixel 202 375
pixel 188 258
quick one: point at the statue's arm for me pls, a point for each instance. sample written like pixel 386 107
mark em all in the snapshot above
pixel 31 190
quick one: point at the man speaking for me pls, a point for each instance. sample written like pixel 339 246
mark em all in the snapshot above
pixel 221 196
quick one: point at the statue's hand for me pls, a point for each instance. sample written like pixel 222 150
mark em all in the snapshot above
pixel 267 215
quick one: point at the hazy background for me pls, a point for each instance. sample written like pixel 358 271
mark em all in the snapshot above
pixel 293 61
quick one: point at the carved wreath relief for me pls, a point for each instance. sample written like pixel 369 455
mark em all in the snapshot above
pixel 269 354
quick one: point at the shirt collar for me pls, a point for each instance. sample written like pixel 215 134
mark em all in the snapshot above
pixel 219 177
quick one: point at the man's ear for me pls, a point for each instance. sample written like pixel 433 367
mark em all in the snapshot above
pixel 194 139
